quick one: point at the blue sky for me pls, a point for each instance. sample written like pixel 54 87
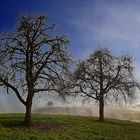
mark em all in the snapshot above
pixel 87 23
pixel 114 24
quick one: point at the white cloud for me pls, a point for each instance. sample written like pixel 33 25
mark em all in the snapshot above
pixel 105 21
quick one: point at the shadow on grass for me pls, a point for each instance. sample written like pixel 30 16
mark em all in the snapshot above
pixel 18 124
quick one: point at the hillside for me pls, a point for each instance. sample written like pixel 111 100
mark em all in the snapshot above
pixel 66 127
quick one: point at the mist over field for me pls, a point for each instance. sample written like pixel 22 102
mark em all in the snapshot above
pixel 110 112
pixel 10 104
pixel 121 113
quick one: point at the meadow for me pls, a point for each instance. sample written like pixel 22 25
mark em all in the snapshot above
pixel 66 127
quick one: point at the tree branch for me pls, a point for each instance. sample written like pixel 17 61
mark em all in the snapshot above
pixel 14 89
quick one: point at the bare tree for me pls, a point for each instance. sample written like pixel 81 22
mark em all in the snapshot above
pixel 103 75
pixel 34 61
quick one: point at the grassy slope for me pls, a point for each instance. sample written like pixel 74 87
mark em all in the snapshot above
pixel 62 127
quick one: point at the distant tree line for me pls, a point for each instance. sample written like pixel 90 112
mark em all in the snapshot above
pixel 34 60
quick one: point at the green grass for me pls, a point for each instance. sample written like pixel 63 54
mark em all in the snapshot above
pixel 63 127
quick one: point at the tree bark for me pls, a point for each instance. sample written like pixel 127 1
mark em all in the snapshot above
pixel 101 109
pixel 27 118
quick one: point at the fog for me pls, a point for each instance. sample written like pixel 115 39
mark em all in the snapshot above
pixel 12 105
pixel 132 114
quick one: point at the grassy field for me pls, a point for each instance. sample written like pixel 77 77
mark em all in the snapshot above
pixel 64 127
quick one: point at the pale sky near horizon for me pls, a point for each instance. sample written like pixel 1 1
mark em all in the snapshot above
pixel 114 24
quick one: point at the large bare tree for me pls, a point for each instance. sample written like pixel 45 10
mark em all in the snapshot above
pixel 103 75
pixel 35 60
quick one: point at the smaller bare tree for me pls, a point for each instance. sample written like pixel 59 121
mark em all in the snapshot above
pixel 103 75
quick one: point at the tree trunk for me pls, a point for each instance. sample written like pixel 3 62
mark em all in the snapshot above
pixel 27 119
pixel 101 109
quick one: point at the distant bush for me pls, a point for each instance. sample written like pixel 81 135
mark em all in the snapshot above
pixel 50 103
